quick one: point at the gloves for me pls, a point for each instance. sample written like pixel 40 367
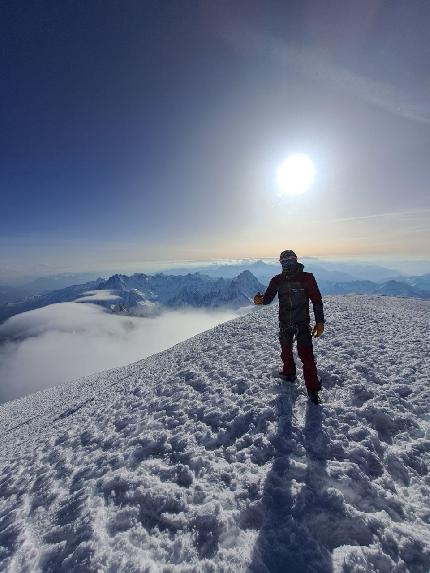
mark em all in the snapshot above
pixel 318 329
pixel 258 298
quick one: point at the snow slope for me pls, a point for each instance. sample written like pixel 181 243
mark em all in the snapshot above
pixel 199 459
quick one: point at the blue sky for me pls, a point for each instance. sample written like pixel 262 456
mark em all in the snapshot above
pixel 136 131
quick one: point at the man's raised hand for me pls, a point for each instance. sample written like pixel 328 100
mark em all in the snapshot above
pixel 258 298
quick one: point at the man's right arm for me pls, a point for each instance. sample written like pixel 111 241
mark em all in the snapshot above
pixel 271 291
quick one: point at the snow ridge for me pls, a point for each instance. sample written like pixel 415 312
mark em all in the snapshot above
pixel 199 459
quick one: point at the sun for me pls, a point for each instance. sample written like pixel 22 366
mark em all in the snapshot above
pixel 296 174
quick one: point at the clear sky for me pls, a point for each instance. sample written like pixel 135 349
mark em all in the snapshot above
pixel 145 130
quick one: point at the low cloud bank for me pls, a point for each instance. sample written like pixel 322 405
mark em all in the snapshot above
pixel 60 342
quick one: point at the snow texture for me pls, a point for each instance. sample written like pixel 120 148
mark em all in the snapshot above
pixel 199 459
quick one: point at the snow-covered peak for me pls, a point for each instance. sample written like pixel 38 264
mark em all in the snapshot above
pixel 198 459
pixel 116 282
pixel 248 280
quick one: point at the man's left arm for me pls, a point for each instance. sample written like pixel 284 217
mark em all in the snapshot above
pixel 317 303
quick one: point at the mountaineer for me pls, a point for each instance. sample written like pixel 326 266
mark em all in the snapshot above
pixel 295 288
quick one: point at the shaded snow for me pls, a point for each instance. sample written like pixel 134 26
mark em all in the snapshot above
pixel 199 459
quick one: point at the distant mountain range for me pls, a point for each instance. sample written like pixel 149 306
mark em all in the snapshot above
pixel 323 270
pixel 143 295
pixel 387 288
pixel 25 289
pixel 327 272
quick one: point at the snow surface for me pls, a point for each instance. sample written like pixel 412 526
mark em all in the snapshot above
pixel 199 459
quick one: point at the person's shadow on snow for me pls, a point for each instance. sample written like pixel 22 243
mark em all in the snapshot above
pixel 290 538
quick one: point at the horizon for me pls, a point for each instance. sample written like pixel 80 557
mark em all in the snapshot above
pixel 402 266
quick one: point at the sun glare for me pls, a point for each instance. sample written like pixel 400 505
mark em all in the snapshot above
pixel 295 175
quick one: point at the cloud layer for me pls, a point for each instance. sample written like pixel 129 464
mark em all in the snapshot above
pixel 61 342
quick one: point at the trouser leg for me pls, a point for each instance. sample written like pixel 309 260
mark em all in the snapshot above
pixel 306 355
pixel 286 340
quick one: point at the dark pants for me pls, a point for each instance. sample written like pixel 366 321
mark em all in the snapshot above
pixel 305 351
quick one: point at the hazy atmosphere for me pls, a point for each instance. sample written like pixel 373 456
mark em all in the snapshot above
pixel 140 132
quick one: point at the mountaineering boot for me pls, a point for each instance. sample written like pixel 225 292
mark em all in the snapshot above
pixel 313 396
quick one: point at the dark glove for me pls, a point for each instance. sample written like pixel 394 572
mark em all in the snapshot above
pixel 258 298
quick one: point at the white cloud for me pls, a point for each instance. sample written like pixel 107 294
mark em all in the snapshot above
pixel 60 342
pixel 98 295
